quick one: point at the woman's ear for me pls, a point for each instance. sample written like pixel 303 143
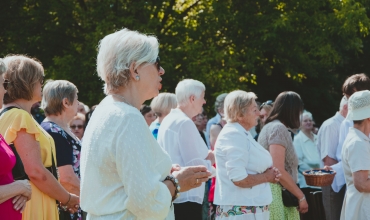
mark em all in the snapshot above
pixel 133 72
pixel 65 102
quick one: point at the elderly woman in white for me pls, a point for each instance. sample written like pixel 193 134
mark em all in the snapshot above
pixel 179 136
pixel 244 167
pixel 125 174
pixel 356 158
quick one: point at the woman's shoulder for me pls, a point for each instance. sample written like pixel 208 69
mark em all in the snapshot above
pixel 53 128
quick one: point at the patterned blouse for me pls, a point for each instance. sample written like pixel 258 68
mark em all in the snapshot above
pixel 68 151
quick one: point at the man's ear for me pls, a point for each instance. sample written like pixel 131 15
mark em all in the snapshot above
pixel 192 98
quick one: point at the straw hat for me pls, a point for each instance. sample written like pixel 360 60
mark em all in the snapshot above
pixel 359 106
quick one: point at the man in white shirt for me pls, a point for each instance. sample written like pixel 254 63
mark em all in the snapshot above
pixel 327 143
pixel 219 108
pixel 180 138
pixel 354 83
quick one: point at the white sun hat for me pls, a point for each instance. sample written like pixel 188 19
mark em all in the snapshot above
pixel 359 106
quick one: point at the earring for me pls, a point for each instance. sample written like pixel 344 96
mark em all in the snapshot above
pixel 137 77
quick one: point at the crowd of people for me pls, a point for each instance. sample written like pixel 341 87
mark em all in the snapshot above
pixel 122 159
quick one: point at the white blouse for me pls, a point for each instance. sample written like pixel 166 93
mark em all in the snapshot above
pixel 122 166
pixel 181 139
pixel 355 157
pixel 237 156
pixel 308 156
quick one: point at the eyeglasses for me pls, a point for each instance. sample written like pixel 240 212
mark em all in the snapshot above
pixel 158 63
pixel 76 126
pixel 269 102
pixel 5 84
pixel 42 80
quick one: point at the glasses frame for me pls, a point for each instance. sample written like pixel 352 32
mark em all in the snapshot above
pixel 268 102
pixel 73 127
pixel 158 63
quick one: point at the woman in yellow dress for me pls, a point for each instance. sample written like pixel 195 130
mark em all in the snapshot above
pixel 34 145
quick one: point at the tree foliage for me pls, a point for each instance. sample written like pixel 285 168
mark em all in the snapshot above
pixel 266 46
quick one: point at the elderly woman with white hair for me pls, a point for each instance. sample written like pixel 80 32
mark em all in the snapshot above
pixel 244 167
pixel 305 143
pixel 161 105
pixel 60 104
pixel 125 174
pixel 179 136
pixel 356 158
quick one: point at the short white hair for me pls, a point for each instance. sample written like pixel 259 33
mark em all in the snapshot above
pixel 118 51
pixel 343 102
pixel 163 103
pixel 236 104
pixel 187 88
pixel 306 113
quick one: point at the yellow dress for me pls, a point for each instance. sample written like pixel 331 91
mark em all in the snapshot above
pixel 41 206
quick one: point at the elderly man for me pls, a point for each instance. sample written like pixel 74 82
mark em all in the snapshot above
pixel 179 136
pixel 219 109
pixel 327 142
pixel 354 83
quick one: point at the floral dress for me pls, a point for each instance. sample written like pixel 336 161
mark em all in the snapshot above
pixel 68 150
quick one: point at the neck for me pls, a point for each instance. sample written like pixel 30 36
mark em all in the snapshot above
pixel 129 95
pixel 364 127
pixel 187 110
pixel 61 120
pixel 22 104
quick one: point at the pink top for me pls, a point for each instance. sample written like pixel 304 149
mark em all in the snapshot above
pixel 7 159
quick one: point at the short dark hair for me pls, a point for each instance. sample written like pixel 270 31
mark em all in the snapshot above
pixel 145 109
pixel 287 108
pixel 354 83
pixel 358 122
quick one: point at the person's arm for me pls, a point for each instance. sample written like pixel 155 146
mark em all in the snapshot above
pixel 29 151
pixel 278 157
pixel 269 176
pixel 328 140
pixel 361 181
pixel 214 132
pixel 65 160
pixel 68 179
pixel 14 189
pixel 328 161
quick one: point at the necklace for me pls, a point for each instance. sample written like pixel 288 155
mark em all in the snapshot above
pixel 123 98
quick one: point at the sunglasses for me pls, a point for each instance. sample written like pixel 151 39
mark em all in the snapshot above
pixel 269 102
pixel 158 63
pixel 76 126
pixel 5 84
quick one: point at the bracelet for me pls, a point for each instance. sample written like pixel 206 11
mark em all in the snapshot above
pixel 303 198
pixel 176 184
pixel 69 198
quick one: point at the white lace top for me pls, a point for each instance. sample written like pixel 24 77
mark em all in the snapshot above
pixel 122 166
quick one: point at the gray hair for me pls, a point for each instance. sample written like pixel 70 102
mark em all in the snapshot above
pixel 2 67
pixel 163 103
pixel 343 102
pixel 187 88
pixel 118 51
pixel 306 113
pixel 219 104
pixel 236 104
pixel 53 94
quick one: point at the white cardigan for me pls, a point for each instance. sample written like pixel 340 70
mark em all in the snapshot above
pixel 122 166
pixel 237 156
